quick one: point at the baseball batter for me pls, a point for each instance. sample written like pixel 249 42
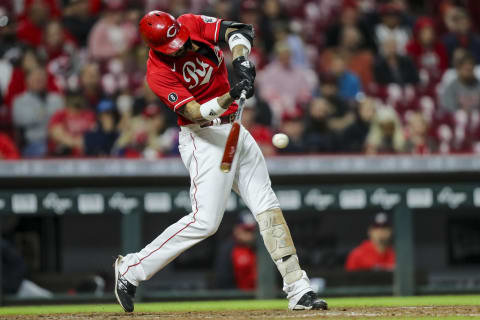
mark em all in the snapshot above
pixel 186 69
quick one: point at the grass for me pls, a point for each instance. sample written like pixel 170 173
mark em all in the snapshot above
pixel 246 305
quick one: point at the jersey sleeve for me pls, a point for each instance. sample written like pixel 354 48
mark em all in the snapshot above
pixel 206 27
pixel 169 89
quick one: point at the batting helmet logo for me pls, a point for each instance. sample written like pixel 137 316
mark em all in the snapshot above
pixel 172 31
pixel 162 32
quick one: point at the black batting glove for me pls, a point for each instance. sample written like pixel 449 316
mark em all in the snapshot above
pixel 244 69
pixel 237 89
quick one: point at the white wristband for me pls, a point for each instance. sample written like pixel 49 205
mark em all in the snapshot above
pixel 211 109
pixel 239 39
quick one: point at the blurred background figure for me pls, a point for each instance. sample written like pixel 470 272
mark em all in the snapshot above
pixel 32 111
pixel 376 253
pixel 100 140
pixel 460 33
pixel 147 135
pixel 386 133
pixel 68 125
pixel 462 93
pixel 284 85
pixel 391 67
pixel 235 264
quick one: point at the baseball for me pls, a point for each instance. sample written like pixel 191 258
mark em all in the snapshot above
pixel 280 140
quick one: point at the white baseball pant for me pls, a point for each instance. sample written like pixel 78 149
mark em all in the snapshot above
pixel 201 150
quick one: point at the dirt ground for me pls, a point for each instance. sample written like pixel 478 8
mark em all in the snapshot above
pixel 334 313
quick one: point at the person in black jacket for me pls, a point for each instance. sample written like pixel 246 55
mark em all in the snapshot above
pixel 101 140
pixel 393 68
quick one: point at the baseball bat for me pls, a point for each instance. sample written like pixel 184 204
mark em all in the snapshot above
pixel 232 140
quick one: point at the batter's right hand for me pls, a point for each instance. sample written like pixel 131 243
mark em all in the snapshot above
pixel 237 89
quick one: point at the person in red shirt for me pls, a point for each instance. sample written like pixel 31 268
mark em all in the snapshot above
pixel 428 53
pixel 8 150
pixel 236 261
pixel 68 126
pixel 376 253
pixel 186 70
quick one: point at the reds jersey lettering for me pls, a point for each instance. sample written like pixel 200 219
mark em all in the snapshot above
pixel 192 73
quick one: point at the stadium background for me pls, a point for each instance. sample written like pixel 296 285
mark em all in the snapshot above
pixel 323 78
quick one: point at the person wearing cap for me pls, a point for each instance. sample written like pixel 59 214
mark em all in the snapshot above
pixel 376 253
pixel 101 139
pixel 236 261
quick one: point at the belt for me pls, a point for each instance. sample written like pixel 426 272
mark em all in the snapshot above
pixel 221 120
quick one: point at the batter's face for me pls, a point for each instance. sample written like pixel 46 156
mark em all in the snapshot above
pixel 181 52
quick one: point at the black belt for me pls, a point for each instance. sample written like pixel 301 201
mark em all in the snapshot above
pixel 221 120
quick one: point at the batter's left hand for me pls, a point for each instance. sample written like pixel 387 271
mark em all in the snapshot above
pixel 244 69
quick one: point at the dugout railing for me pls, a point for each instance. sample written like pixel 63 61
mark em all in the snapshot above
pixel 133 188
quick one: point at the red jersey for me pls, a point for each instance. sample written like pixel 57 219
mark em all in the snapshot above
pixel 193 76
pixel 365 257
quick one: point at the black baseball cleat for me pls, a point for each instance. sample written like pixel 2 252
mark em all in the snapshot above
pixel 124 290
pixel 310 301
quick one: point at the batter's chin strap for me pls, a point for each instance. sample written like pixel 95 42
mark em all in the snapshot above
pixel 242 28
pixel 279 243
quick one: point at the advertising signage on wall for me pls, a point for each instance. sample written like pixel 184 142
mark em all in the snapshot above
pixel 311 198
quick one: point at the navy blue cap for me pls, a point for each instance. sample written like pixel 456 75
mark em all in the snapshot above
pixel 105 105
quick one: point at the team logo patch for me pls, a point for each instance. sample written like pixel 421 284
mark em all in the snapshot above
pixel 208 19
pixel 172 97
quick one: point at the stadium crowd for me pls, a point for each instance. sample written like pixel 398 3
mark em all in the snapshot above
pixel 351 76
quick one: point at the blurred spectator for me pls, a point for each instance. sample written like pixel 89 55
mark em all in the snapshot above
pixel 376 253
pixel 357 59
pixel 30 28
pixel 293 126
pixel 283 85
pixel 417 139
pixel 90 84
pixel 386 132
pixel 17 78
pixel 391 67
pixel 324 122
pixel 461 34
pixel 462 93
pixel 391 27
pixel 111 36
pixel 56 43
pixel 261 133
pixel 427 52
pixel 32 111
pixel 236 261
pixel 349 18
pixel 355 135
pixel 101 139
pixel 78 20
pixel 68 125
pixel 451 74
pixel 147 135
pixel 349 85
pixel 8 150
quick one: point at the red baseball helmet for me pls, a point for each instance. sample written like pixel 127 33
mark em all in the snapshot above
pixel 162 32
